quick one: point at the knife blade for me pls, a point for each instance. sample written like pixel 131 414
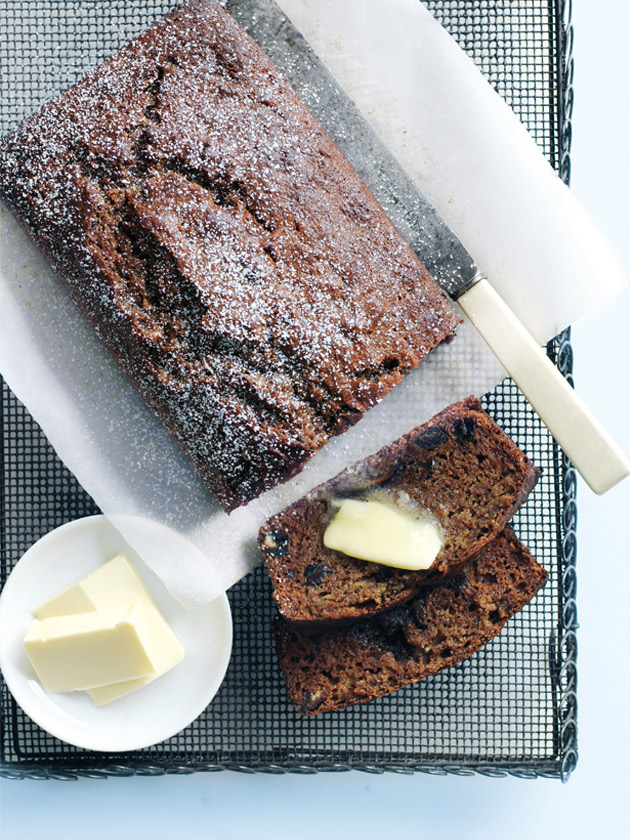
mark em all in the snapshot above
pixel 586 443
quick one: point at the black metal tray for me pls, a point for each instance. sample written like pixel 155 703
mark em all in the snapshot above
pixel 511 708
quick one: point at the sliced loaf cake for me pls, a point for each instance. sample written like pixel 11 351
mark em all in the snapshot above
pixel 459 468
pixel 440 627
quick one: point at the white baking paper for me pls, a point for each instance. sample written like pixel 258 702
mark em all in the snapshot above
pixel 468 153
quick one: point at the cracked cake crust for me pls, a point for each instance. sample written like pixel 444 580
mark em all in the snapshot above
pixel 225 251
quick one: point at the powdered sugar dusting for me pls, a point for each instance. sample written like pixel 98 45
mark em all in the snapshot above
pixel 230 259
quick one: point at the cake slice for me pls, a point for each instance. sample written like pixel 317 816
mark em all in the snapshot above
pixel 460 468
pixel 441 626
pixel 227 254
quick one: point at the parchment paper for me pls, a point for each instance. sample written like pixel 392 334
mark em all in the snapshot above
pixel 456 139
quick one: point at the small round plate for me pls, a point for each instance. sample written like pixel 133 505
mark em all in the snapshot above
pixel 152 713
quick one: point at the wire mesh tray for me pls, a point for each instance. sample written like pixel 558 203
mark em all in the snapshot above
pixel 511 707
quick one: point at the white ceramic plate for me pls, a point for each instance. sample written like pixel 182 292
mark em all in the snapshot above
pixel 153 713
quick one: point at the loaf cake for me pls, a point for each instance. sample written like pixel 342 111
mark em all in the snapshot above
pixel 460 467
pixel 441 626
pixel 229 257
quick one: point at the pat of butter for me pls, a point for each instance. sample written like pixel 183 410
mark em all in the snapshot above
pixel 76 652
pixel 370 530
pixel 104 694
pixel 115 581
pixel 115 586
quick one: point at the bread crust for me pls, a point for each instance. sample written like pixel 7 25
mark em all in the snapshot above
pixel 228 256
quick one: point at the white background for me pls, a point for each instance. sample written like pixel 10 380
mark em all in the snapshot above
pixel 594 802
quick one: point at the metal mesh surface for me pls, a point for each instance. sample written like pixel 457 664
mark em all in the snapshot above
pixel 508 709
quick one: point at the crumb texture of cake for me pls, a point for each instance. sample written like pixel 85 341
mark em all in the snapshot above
pixel 460 468
pixel 227 254
pixel 442 626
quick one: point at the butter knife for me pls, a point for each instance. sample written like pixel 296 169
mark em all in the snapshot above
pixel 593 452
pixel 595 455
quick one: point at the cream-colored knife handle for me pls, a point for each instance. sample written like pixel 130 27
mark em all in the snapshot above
pixel 593 452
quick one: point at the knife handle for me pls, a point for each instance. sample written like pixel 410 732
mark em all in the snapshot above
pixel 593 452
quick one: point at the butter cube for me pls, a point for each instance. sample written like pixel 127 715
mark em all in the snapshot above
pixel 115 581
pixel 166 653
pixel 71 601
pixel 104 694
pixel 84 612
pixel 76 652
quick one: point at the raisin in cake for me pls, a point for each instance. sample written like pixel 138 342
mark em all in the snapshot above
pixel 229 257
pixel 460 467
pixel 443 625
